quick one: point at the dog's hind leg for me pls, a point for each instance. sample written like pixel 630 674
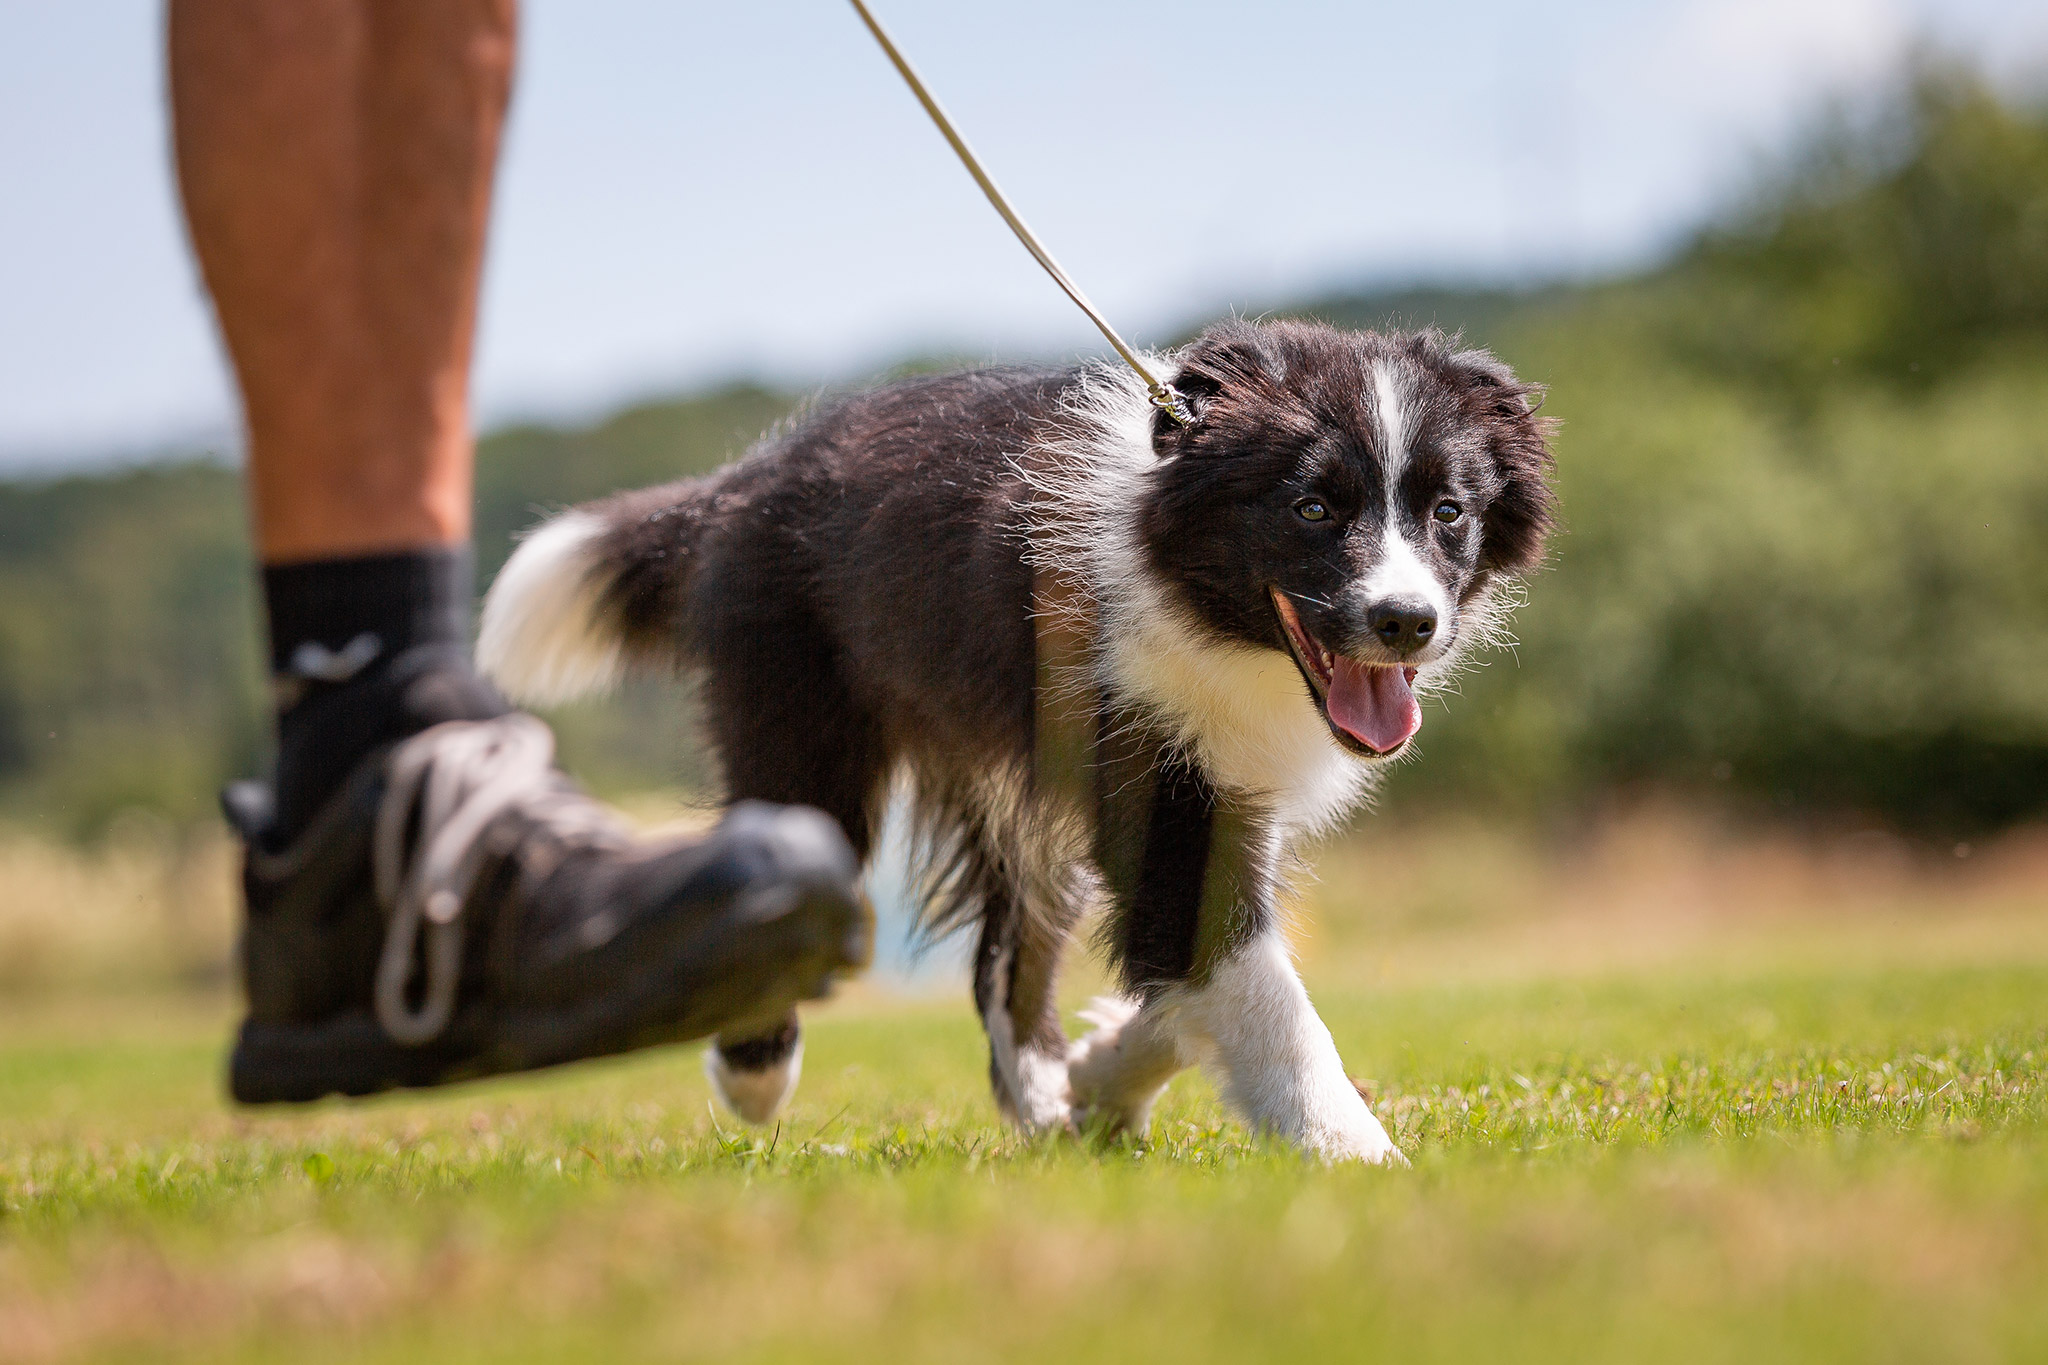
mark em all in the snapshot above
pixel 785 730
pixel 1016 966
pixel 755 1070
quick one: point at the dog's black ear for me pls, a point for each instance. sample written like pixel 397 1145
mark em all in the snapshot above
pixel 1198 387
pixel 1524 511
pixel 1483 369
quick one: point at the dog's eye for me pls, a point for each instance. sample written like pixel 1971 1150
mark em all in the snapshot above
pixel 1312 509
pixel 1448 512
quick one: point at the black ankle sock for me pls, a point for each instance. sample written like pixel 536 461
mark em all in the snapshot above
pixel 364 651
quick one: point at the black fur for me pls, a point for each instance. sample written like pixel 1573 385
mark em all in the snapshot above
pixel 856 587
pixel 760 1051
pixel 1160 927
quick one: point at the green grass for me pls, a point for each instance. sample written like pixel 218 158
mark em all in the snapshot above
pixel 1799 1162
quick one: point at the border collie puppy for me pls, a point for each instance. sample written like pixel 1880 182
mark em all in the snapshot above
pixel 1118 665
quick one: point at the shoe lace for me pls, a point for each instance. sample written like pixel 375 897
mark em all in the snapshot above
pixel 444 788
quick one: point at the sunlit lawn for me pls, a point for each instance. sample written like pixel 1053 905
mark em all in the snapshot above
pixel 1667 1100
pixel 1797 1164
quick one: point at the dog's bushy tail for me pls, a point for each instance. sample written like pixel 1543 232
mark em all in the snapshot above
pixel 592 593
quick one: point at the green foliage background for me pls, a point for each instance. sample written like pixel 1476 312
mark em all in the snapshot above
pixel 1804 472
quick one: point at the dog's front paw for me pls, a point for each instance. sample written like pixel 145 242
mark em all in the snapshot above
pixel 1373 1147
pixel 1349 1131
pixel 1115 1073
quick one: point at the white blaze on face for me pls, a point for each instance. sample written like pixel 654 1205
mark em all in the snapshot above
pixel 1399 570
pixel 1390 415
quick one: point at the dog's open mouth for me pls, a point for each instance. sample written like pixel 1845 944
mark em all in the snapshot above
pixel 1368 706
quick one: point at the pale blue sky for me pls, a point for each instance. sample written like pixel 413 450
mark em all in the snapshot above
pixel 693 192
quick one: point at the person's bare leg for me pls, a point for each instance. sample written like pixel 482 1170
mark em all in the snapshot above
pixel 336 160
pixel 427 898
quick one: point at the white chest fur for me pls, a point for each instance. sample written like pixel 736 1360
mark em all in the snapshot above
pixel 1244 714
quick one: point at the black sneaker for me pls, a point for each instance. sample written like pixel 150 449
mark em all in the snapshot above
pixel 459 909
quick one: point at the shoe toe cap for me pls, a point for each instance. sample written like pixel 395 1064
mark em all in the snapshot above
pixel 795 842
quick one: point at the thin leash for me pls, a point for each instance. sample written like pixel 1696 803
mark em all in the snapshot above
pixel 1164 396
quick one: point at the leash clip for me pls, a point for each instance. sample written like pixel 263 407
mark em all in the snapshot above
pixel 1168 400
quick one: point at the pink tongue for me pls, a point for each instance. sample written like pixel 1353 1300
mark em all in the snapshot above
pixel 1373 705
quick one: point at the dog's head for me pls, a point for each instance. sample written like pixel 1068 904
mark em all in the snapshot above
pixel 1348 498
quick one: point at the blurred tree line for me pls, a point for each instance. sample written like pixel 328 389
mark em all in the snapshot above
pixel 1804 473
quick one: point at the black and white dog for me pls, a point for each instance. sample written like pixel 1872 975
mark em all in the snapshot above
pixel 1118 664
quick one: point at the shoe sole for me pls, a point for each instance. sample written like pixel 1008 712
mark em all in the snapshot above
pixel 766 952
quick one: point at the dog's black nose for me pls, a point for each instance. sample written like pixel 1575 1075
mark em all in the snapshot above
pixel 1403 624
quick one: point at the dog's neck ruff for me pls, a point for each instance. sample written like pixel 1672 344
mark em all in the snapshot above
pixel 1240 715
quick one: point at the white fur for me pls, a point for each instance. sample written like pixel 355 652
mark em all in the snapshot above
pixel 1252 1024
pixel 756 1096
pixel 1041 1081
pixel 1116 1073
pixel 1245 713
pixel 1401 572
pixel 1274 1059
pixel 1390 415
pixel 543 637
